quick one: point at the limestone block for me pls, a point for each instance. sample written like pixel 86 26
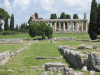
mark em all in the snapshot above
pixel 84 68
pixel 94 46
pixel 89 47
pixel 92 72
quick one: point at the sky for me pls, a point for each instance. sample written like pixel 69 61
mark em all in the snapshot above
pixel 22 9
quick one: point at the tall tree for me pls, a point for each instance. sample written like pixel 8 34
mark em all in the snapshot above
pixel 98 19
pixel 0 27
pixel 6 25
pixel 36 15
pixel 93 21
pixel 75 16
pixel 68 16
pixel 62 16
pixel 16 28
pixel 12 23
pixel 4 16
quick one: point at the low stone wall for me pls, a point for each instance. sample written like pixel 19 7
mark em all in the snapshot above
pixel 4 57
pixel 93 61
pixel 64 38
pixel 79 59
pixel 11 41
pixel 76 58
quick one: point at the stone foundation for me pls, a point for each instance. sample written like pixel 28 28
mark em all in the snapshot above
pixel 79 59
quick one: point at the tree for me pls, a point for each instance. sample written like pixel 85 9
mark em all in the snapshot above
pixel 62 16
pixel 12 23
pixel 40 30
pixel 98 20
pixel 75 16
pixel 33 29
pixel 68 16
pixel 16 28
pixel 0 27
pixel 53 16
pixel 4 16
pixel 6 25
pixel 49 32
pixel 36 15
pixel 93 21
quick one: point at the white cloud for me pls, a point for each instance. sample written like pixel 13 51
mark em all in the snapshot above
pixel 7 5
pixel 22 3
pixel 78 4
pixel 47 4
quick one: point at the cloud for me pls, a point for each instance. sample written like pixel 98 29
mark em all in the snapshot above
pixel 22 3
pixel 47 5
pixel 7 5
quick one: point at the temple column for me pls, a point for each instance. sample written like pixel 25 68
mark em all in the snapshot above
pixel 86 26
pixel 55 26
pixel 64 26
pixel 59 26
pixel 82 26
pixel 77 28
pixel 50 24
pixel 72 26
pixel 68 26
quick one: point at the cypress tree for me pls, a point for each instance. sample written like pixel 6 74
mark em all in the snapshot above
pixel 12 23
pixel 98 20
pixel 6 25
pixel 93 21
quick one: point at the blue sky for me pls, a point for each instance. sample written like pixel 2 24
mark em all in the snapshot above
pixel 22 9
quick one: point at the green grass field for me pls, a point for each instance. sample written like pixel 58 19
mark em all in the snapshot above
pixel 27 58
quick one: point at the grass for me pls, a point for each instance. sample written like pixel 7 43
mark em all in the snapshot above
pixel 9 47
pixel 27 58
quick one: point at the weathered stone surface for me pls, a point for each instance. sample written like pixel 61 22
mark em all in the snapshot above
pixel 11 41
pixel 64 38
pixel 89 47
pixel 82 46
pixel 92 72
pixel 46 57
pixel 4 57
pixel 94 46
pixel 84 68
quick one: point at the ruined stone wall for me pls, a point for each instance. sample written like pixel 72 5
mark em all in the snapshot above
pixel 4 57
pixel 74 57
pixel 79 59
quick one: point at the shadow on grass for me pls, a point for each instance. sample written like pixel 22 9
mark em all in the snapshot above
pixel 38 39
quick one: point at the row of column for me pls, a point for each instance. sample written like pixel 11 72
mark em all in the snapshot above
pixel 83 26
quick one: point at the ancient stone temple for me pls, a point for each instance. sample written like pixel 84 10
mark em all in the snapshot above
pixel 65 25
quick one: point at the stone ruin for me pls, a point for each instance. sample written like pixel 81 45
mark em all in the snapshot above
pixel 84 46
pixel 11 41
pixel 63 39
pixel 5 56
pixel 59 67
pixel 81 58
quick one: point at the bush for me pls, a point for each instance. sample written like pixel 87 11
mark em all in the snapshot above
pixel 9 32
